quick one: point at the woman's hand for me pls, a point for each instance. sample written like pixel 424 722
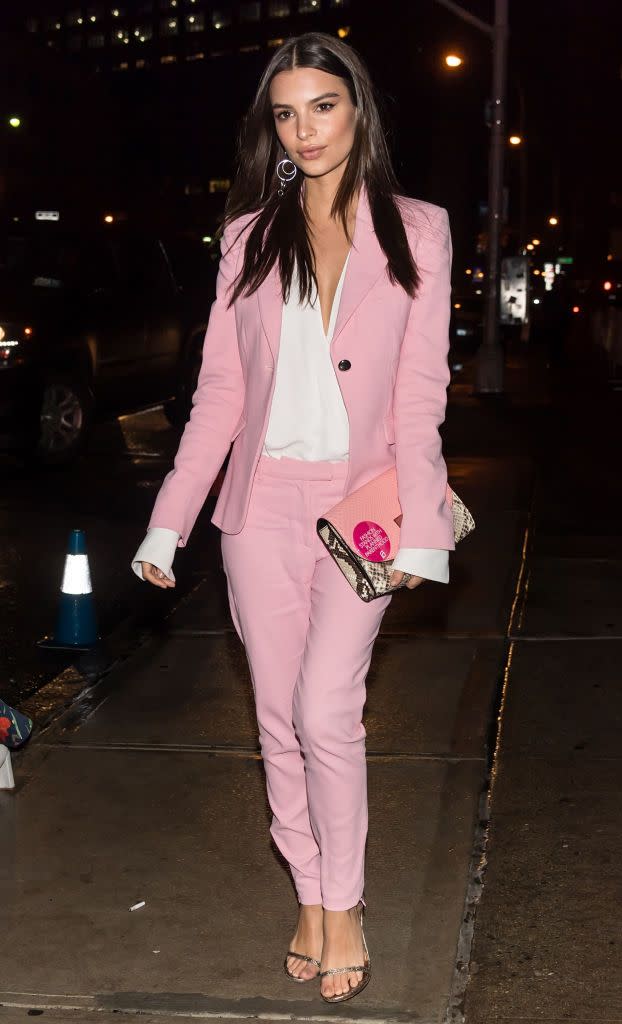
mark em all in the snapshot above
pixel 152 574
pixel 397 576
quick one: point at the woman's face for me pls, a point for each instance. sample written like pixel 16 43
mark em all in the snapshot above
pixel 314 118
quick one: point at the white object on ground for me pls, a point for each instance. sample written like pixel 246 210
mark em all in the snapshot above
pixel 6 770
pixel 137 906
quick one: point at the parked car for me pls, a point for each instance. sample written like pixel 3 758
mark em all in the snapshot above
pixel 96 322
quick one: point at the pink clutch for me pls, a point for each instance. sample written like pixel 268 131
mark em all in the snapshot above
pixel 362 533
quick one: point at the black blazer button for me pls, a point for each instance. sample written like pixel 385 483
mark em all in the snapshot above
pixel 344 364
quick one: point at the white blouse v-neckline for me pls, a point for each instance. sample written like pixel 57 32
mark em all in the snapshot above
pixel 334 309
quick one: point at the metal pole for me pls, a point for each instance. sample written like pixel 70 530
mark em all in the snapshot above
pixel 490 358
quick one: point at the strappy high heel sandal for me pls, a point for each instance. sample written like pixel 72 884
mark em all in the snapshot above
pixel 301 956
pixel 364 968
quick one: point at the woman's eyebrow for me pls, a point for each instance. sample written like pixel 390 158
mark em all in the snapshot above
pixel 324 96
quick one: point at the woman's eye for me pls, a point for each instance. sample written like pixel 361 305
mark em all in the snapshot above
pixel 280 116
pixel 327 106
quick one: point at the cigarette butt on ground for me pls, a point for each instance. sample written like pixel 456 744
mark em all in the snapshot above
pixel 137 906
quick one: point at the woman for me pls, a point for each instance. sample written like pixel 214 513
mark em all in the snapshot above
pixel 325 363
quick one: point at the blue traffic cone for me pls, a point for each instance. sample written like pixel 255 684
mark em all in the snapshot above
pixel 76 627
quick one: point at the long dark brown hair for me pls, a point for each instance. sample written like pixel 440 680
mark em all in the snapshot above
pixel 279 229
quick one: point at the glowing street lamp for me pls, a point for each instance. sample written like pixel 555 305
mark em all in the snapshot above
pixel 452 60
pixel 15 122
pixel 515 140
pixel 553 221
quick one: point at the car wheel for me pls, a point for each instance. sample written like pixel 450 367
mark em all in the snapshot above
pixel 65 416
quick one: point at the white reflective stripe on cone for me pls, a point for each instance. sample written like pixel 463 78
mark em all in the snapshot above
pixel 6 770
pixel 77 576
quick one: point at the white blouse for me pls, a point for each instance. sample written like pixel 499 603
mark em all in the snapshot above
pixel 308 420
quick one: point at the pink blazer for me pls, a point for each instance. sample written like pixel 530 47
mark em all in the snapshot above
pixel 389 353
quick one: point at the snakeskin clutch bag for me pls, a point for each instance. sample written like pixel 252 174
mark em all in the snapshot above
pixel 362 530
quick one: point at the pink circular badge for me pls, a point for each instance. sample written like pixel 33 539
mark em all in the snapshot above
pixel 372 541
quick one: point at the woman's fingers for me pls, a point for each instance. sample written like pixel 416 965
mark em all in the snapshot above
pixel 396 578
pixel 152 574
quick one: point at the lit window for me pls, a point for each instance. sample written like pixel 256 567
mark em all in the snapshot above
pixel 275 42
pixel 250 11
pixel 308 6
pixel 141 63
pixel 170 58
pixel 195 22
pixel 195 56
pixel 123 66
pixel 32 24
pixel 95 40
pixel 221 18
pixel 169 26
pixel 253 48
pixel 278 9
pixel 219 184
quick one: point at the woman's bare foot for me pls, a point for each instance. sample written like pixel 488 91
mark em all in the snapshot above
pixel 343 947
pixel 307 939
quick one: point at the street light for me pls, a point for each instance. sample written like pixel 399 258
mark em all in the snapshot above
pixel 515 140
pixel 15 122
pixel 452 60
pixel 489 358
pixel 553 221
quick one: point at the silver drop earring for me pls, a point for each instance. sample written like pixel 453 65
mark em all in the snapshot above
pixel 285 174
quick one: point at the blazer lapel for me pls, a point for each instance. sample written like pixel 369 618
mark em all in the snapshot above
pixel 365 265
pixel 270 299
pixel 367 261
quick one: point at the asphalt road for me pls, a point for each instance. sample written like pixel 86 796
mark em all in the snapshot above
pixel 108 493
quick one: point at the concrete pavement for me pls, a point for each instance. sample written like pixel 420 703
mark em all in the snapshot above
pixel 547 935
pixel 150 787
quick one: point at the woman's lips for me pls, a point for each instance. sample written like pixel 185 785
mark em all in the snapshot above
pixel 312 154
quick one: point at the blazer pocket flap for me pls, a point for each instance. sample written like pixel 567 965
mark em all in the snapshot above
pixel 389 428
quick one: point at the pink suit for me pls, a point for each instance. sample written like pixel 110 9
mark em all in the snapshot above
pixel 308 637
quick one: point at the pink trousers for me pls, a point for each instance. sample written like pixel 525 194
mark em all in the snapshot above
pixel 308 640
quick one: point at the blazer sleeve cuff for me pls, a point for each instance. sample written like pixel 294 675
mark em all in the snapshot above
pixel 429 563
pixel 159 548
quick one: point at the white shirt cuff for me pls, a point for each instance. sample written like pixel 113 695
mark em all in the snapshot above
pixel 158 548
pixel 429 563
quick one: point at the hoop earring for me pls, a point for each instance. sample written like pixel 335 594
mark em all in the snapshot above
pixel 284 175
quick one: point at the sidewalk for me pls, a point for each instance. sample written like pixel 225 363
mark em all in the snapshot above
pixel 547 932
pixel 151 789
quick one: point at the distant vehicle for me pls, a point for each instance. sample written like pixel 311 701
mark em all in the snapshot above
pixel 93 322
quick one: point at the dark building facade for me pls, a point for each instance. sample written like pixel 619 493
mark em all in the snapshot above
pixel 140 34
